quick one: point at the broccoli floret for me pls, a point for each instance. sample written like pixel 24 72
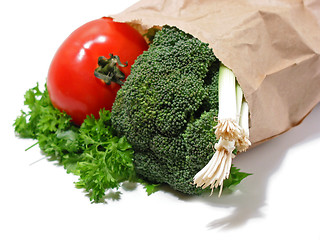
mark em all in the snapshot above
pixel 167 109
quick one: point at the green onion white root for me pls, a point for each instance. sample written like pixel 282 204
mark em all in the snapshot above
pixel 232 131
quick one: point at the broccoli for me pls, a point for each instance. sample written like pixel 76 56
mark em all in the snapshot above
pixel 168 108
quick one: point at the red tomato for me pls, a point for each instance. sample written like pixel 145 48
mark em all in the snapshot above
pixel 71 82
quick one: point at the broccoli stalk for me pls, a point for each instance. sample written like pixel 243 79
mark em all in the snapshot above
pixel 230 131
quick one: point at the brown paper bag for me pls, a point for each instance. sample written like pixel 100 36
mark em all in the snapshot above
pixel 273 47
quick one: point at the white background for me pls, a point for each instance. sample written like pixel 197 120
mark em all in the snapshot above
pixel 39 201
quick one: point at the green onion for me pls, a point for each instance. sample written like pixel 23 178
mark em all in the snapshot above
pixel 232 131
pixel 243 143
pixel 227 127
pixel 218 167
pixel 239 96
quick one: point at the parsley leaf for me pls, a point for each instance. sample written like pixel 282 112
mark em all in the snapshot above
pixel 92 151
pixel 235 177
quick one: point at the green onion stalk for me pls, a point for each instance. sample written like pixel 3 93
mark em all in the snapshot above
pixel 232 131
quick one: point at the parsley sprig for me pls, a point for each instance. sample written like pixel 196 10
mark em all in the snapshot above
pixel 93 151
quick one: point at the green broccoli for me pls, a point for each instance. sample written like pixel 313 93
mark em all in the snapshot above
pixel 168 108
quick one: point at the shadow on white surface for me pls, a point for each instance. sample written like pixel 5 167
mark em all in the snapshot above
pixel 249 198
pixel 263 161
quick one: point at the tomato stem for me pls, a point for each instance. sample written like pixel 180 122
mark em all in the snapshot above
pixel 108 70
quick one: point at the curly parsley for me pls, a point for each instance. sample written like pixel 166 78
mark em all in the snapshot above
pixel 92 151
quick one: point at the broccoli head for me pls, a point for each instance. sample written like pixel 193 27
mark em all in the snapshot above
pixel 168 107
